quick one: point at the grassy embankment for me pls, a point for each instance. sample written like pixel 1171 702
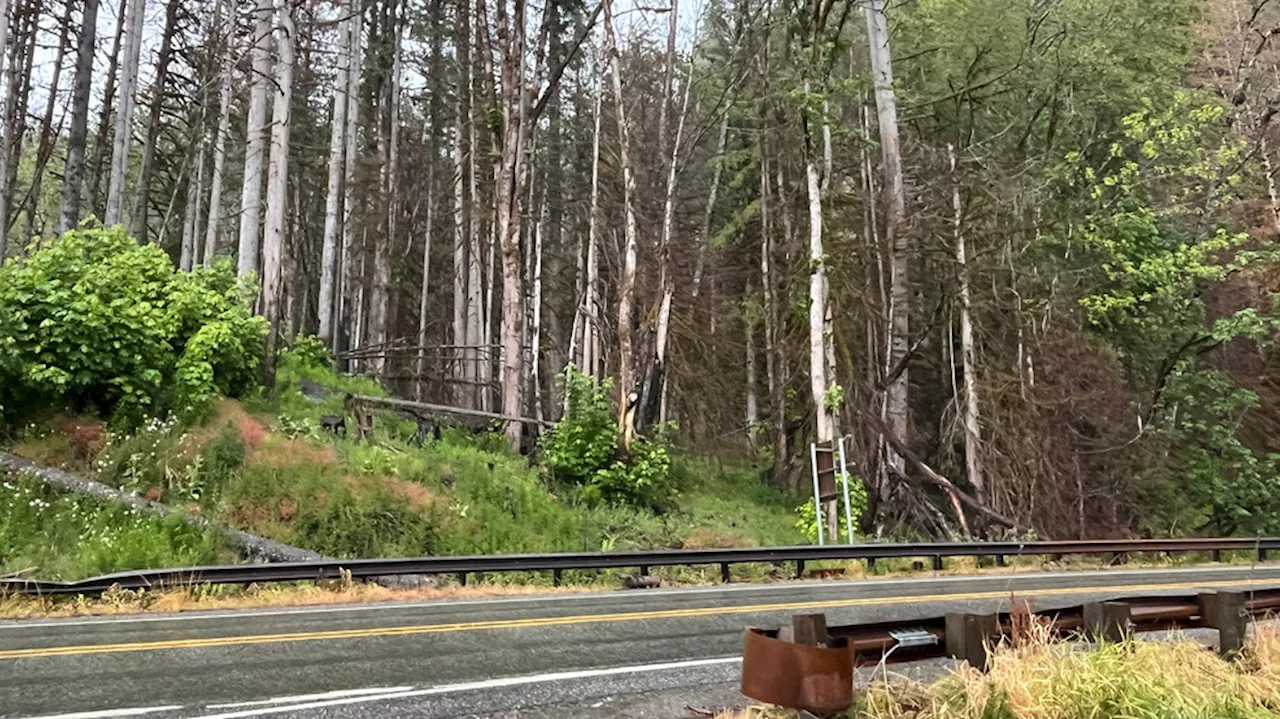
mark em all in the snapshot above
pixel 266 468
pixel 1055 680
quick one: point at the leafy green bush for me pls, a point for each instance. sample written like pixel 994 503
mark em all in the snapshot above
pixel 806 513
pixel 586 439
pixel 583 449
pixel 94 318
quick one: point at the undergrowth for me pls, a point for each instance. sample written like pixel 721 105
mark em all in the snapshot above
pixel 264 466
pixel 59 535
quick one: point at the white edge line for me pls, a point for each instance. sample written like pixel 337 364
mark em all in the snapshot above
pixel 217 614
pixel 486 684
pixel 299 698
pixel 107 713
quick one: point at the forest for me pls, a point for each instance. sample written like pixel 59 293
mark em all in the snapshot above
pixel 1020 253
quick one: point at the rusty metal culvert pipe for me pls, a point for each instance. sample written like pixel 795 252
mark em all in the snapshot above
pixel 814 679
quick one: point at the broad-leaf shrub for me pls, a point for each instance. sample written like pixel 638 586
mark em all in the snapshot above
pixel 94 318
pixel 582 449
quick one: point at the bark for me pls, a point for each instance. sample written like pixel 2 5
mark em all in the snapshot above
pixel 753 401
pixel 817 307
pixel 35 223
pixel 8 58
pixel 511 38
pixel 191 214
pixel 388 140
pixel 108 100
pixel 77 137
pixel 142 207
pixel 251 188
pixel 278 174
pixel 656 381
pixel 333 194
pixel 897 408
pixel 592 312
pixel 627 281
pixel 219 142
pixel 972 420
pixel 426 280
pixel 350 298
pixel 704 238
pixel 463 369
pixel 769 286
pixel 124 116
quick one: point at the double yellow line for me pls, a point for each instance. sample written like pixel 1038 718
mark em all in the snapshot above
pixel 599 618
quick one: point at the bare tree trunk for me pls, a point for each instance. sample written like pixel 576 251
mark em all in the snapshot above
pixel 462 366
pixel 82 85
pixel 705 238
pixel 898 408
pixel 251 189
pixel 278 175
pixel 142 205
pixel 972 421
pixel 426 280
pixel 817 307
pixel 591 343
pixel 753 401
pixel 655 381
pixel 104 119
pixel 350 299
pixel 219 138
pixel 333 195
pixel 626 284
pixel 9 60
pixel 388 138
pixel 511 34
pixel 191 213
pixel 770 286
pixel 124 117
pixel 35 222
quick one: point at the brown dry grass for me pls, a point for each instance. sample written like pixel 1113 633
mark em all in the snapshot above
pixel 254 597
pixel 1047 679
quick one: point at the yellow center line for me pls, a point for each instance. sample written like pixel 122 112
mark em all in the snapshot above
pixel 598 618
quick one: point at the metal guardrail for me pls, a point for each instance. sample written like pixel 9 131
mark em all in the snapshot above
pixel 557 563
pixel 809 665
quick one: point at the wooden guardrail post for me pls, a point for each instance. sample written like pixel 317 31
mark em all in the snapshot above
pixel 1107 621
pixel 970 637
pixel 1232 622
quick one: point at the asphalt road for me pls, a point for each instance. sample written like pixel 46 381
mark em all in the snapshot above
pixel 619 654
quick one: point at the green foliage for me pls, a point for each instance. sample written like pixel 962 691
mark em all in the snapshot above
pixel 310 351
pixel 584 441
pixel 67 536
pixel 642 479
pixel 94 318
pixel 806 513
pixel 582 449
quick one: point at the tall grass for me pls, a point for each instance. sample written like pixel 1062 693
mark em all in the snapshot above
pixel 1132 680
pixel 58 535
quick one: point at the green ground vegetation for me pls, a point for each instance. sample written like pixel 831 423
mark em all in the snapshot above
pixel 264 465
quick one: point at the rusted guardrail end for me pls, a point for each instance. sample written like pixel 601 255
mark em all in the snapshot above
pixel 798 675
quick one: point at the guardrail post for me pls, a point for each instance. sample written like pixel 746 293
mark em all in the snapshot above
pixel 799 568
pixel 937 562
pixel 1262 554
pixel 810 630
pixel 644 571
pixel 1232 622
pixel 555 577
pixel 724 572
pixel 970 636
pixel 1107 621
pixel 462 578
pixel 1217 555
